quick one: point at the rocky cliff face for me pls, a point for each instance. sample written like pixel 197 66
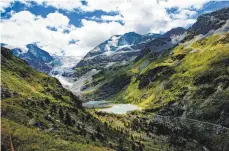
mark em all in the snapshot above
pixel 164 42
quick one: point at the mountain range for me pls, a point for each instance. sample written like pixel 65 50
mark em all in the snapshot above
pixel 36 57
pixel 178 79
pixel 120 48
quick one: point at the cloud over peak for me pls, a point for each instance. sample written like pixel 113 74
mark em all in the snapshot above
pixel 57 30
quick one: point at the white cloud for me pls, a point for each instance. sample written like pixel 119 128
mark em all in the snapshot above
pixel 59 4
pixel 108 5
pixel 141 16
pixel 184 14
pixel 24 28
pixel 105 5
pixel 147 16
pixel 111 18
pixel 177 38
pixel 93 33
pixel 144 17
pixel 5 4
pixel 183 3
pixel 63 4
pixel 57 20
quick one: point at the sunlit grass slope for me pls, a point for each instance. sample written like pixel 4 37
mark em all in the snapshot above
pixel 39 114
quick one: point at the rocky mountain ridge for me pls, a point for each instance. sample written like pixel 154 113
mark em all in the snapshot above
pixel 36 57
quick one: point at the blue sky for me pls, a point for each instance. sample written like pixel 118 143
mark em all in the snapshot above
pixel 76 27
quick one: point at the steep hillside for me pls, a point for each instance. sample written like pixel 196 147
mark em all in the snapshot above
pixel 39 114
pixel 194 76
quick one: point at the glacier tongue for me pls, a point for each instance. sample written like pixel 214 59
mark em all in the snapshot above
pixel 64 72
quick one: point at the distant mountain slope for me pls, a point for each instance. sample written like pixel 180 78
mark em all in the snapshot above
pixel 56 66
pixel 119 42
pixel 208 22
pixel 59 67
pixel 117 49
pixel 37 58
pixel 166 41
pixel 39 114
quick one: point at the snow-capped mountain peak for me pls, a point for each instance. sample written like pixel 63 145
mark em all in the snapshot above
pixel 118 42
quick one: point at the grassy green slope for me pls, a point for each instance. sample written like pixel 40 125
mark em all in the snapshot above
pixel 170 77
pixel 40 114
pixel 194 75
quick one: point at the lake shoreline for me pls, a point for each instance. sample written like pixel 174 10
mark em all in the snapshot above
pixel 111 107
